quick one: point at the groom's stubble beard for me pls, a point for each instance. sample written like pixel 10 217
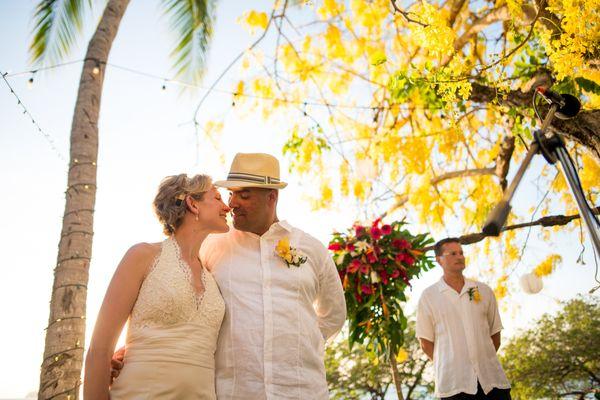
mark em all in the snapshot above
pixel 255 213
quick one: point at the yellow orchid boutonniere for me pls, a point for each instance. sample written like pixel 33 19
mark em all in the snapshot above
pixel 289 254
pixel 474 294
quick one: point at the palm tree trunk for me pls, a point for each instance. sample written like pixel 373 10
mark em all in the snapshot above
pixel 65 334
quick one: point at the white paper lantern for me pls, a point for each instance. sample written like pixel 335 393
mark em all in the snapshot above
pixel 531 283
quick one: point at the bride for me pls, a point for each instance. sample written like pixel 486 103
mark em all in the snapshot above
pixel 173 304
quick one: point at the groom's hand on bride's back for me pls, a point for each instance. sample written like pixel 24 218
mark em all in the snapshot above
pixel 116 363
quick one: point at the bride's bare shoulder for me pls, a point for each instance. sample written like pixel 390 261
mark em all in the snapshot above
pixel 143 252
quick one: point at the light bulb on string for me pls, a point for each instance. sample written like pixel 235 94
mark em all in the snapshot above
pixel 30 82
pixel 96 70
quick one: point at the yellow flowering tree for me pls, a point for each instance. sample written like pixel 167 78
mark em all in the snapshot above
pixel 421 109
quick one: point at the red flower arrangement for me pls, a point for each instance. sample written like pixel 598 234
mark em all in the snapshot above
pixel 376 264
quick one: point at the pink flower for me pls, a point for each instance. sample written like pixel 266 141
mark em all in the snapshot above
pixel 350 247
pixel 409 259
pixel 335 246
pixel 395 274
pixel 386 229
pixel 400 257
pixel 372 258
pixel 376 222
pixel 384 260
pixel 404 276
pixel 375 233
pixel 401 244
pixel 354 266
pixel 358 297
pixel 359 230
pixel 366 289
pixel 384 276
pixel 365 268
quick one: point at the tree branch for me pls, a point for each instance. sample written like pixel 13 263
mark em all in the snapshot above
pixel 552 220
pixel 417 380
pixel 455 8
pixel 405 14
pixel 495 15
pixel 503 159
pixel 583 129
pixel 462 173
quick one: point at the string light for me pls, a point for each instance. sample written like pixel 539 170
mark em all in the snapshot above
pixel 30 81
pixel 10 75
pixel 63 319
pixel 46 136
pixel 69 397
pixel 233 93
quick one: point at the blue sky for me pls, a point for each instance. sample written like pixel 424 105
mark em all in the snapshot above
pixel 145 135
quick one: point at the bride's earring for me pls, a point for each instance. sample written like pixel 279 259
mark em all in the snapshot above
pixel 196 217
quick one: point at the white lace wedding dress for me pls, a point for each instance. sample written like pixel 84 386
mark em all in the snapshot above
pixel 172 334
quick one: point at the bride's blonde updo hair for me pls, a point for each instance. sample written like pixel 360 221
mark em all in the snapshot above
pixel 169 203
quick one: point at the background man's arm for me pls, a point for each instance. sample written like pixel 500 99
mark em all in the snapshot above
pixel 427 347
pixel 496 340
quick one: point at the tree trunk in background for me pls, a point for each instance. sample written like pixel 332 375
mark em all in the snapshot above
pixel 65 334
pixel 396 377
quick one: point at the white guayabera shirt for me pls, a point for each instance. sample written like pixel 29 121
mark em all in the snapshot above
pixel 271 344
pixel 461 331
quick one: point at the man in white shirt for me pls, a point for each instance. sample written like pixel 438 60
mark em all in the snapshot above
pixel 458 326
pixel 278 314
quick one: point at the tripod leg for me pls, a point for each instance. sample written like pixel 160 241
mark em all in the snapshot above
pixel 497 218
pixel 570 173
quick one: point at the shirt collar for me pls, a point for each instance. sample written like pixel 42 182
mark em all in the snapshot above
pixel 284 224
pixel 277 226
pixel 443 286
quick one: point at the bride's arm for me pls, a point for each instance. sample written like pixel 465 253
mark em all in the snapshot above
pixel 116 307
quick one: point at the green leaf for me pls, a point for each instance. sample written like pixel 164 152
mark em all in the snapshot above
pixel 192 24
pixel 56 25
pixel 588 85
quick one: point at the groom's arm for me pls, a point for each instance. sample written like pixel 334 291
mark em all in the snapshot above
pixel 330 304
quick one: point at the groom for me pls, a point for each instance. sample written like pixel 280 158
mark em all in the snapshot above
pixel 278 315
pixel 282 293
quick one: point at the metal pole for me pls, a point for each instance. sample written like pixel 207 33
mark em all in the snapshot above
pixel 585 212
pixel 497 218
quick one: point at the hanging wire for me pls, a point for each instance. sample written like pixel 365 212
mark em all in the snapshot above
pixel 46 135
pixel 165 80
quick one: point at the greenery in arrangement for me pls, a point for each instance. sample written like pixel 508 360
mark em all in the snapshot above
pixel 376 264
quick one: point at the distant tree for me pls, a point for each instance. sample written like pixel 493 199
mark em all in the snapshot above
pixel 559 357
pixel 359 374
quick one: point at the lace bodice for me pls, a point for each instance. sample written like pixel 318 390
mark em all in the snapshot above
pixel 167 296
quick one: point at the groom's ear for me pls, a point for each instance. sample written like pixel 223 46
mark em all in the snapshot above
pixel 273 195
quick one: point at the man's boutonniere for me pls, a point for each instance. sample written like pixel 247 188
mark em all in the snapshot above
pixel 474 294
pixel 290 255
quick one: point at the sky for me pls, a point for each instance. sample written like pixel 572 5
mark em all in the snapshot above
pixel 145 135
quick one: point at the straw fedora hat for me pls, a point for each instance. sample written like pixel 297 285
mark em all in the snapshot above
pixel 253 170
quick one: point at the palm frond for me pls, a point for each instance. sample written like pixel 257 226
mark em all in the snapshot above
pixel 192 22
pixel 56 24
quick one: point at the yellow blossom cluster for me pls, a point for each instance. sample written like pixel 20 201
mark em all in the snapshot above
pixel 547 266
pixel 401 121
pixel 254 20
